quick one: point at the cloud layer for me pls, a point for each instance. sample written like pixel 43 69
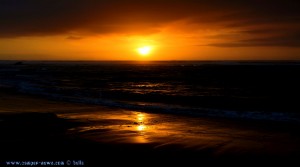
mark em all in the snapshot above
pixel 253 23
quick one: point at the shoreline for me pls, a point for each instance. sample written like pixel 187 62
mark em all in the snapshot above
pixel 73 130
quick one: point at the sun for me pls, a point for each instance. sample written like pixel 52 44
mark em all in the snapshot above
pixel 145 50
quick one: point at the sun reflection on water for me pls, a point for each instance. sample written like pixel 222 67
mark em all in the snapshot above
pixel 127 126
pixel 141 119
pixel 141 127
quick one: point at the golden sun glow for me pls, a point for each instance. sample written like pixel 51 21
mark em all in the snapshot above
pixel 145 50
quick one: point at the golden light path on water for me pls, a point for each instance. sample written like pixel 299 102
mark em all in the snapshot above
pixel 128 126
pixel 109 125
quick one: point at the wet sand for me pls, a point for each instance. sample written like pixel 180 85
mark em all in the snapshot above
pixel 39 129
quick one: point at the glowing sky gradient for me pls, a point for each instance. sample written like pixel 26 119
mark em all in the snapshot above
pixel 175 29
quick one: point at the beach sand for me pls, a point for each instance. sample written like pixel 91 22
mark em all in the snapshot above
pixel 36 129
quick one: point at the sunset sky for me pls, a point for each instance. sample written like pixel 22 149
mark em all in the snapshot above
pixel 149 30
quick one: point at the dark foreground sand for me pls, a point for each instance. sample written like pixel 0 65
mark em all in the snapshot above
pixel 34 129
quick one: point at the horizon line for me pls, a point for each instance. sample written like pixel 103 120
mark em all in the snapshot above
pixel 252 60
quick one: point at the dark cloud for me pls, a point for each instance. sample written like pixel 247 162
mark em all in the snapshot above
pixel 53 17
pixel 284 41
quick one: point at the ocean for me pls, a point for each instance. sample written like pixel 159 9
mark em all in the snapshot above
pixel 259 90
